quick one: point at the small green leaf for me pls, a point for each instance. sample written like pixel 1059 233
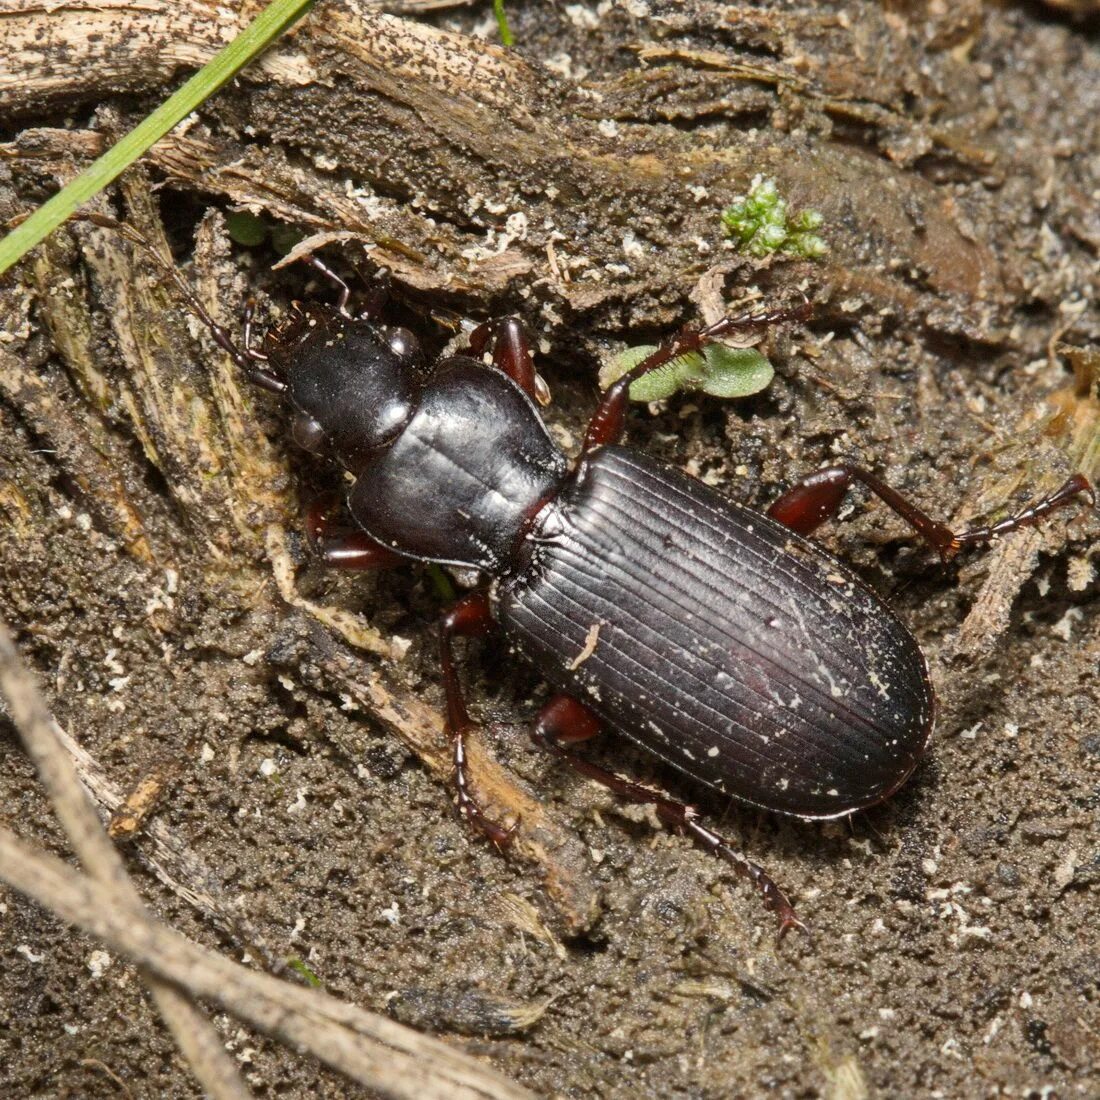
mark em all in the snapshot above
pixel 735 372
pixel 719 370
pixel 246 229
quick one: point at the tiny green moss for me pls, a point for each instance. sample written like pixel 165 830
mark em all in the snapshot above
pixel 303 971
pixel 762 225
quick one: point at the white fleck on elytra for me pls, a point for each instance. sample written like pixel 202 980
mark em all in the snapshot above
pixel 590 641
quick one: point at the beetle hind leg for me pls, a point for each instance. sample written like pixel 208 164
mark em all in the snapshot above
pixel 817 498
pixel 564 721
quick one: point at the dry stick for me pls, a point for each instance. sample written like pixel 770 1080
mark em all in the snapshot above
pixel 169 858
pixel 386 1056
pixel 196 1037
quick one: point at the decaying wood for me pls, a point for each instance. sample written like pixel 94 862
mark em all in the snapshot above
pixel 459 164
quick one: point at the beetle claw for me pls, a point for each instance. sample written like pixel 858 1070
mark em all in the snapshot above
pixel 502 836
pixel 789 920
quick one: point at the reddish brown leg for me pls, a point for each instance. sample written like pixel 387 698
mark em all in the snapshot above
pixel 322 268
pixel 563 721
pixel 469 617
pixel 512 355
pixel 609 420
pixel 816 498
pixel 344 547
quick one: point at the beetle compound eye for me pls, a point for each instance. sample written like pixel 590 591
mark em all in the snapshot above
pixel 308 433
pixel 403 344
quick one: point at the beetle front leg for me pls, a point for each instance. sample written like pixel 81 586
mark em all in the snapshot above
pixel 564 721
pixel 511 355
pixel 469 617
pixel 348 548
pixel 818 497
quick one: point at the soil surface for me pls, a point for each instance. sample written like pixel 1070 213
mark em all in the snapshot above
pixel 954 950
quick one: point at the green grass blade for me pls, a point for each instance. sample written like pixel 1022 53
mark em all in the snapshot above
pixel 506 37
pixel 266 27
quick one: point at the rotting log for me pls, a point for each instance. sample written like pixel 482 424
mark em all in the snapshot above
pixel 471 169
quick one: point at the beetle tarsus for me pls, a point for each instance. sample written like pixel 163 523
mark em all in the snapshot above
pixel 322 268
pixel 790 920
pixel 500 836
pixel 564 720
pixel 1030 516
pixel 817 497
pixel 686 818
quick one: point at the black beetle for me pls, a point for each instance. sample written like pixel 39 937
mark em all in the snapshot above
pixel 758 665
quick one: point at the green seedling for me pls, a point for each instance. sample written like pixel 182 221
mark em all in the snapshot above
pixel 761 224
pixel 248 230
pixel 718 370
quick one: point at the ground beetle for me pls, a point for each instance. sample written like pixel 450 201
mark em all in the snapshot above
pixel 759 665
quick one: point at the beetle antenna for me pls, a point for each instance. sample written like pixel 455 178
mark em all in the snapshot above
pixel 250 361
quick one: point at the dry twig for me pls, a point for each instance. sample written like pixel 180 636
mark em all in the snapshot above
pixel 200 1043
pixel 376 1052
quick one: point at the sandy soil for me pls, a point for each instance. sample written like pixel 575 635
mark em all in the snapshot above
pixel 955 951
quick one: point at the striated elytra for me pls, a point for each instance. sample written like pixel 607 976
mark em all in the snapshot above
pixel 729 646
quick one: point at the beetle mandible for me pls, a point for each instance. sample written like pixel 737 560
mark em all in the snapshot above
pixel 760 666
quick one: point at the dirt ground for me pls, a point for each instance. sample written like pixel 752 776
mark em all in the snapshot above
pixel 144 515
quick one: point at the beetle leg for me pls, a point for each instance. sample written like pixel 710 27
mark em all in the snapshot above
pixel 816 498
pixel 564 721
pixel 609 420
pixel 322 268
pixel 344 547
pixel 469 617
pixel 511 355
